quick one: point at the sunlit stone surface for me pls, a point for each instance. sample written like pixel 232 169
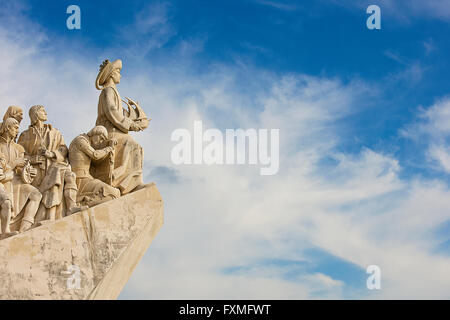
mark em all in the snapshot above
pixel 105 243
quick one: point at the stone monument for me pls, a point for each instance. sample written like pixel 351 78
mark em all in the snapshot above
pixel 76 220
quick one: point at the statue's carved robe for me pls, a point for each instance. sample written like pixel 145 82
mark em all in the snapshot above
pixel 128 159
pixel 32 139
pixel 59 177
pixel 50 177
pixel 4 194
pixel 17 190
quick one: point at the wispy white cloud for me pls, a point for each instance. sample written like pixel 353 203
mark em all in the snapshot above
pixel 150 30
pixel 429 46
pixel 278 5
pixel 432 127
pixel 394 56
pixel 411 74
pixel 441 154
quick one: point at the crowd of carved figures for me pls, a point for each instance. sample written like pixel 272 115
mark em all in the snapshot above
pixel 41 179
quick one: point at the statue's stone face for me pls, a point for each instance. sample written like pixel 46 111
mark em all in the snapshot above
pixel 13 130
pixel 42 114
pixel 116 76
pixel 97 141
pixel 19 116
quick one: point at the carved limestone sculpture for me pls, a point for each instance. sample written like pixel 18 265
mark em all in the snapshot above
pixel 83 151
pixel 26 198
pixel 6 175
pixel 43 180
pixel 127 162
pixel 87 206
pixel 41 142
pixel 14 112
pixel 44 146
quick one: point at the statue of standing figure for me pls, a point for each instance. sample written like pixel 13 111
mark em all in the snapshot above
pixel 125 170
pixel 44 146
pixel 25 197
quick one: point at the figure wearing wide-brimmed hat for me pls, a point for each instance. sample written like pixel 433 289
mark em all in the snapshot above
pixel 124 170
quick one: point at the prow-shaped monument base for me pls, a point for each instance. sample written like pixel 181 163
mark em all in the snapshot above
pixel 88 255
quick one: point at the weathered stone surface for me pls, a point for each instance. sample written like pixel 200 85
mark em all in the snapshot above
pixel 105 242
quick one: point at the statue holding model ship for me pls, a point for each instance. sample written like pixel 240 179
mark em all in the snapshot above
pixel 125 169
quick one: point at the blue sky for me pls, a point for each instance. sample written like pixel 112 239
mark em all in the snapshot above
pixel 365 159
pixel 406 61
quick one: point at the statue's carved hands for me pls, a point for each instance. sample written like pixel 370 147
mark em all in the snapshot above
pixel 33 172
pixel 19 163
pixel 109 150
pixel 44 152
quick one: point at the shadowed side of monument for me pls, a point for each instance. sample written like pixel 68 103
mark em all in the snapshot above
pixel 87 255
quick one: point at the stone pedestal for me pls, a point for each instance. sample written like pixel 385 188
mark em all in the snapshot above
pixel 88 255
